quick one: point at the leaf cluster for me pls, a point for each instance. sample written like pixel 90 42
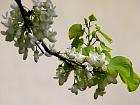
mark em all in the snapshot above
pixel 86 39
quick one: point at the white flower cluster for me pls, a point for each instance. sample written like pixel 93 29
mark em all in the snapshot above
pixel 94 60
pixel 43 19
pixel 37 26
pixel 12 22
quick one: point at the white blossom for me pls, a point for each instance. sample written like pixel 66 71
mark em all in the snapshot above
pixel 6 22
pixel 51 36
pixel 33 39
pixel 89 67
pixel 45 26
pixel 51 47
pixel 52 12
pixel 71 53
pixel 36 2
pixel 97 61
pixel 49 4
pixel 50 20
pixel 92 58
pixel 43 16
pixel 101 61
pixel 14 6
pixel 80 58
pixel 74 89
pixel 5 16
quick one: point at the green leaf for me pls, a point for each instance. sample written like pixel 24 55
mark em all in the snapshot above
pixel 104 47
pixel 94 34
pixel 76 31
pixel 77 42
pixel 123 66
pixel 98 50
pixel 92 18
pixel 87 50
pixel 86 22
pixel 106 36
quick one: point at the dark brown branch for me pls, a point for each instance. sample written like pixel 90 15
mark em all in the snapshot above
pixel 66 60
pixel 24 14
pixel 39 47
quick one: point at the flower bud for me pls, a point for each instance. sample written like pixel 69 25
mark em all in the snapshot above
pixel 14 6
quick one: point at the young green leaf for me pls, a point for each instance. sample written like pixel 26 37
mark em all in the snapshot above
pixel 87 50
pixel 92 18
pixel 123 66
pixel 106 36
pixel 94 34
pixel 98 50
pixel 86 22
pixel 104 47
pixel 76 31
pixel 77 42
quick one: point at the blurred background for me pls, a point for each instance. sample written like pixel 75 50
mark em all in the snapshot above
pixel 30 83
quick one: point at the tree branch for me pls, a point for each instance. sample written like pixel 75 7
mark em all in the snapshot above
pixel 56 54
pixel 24 14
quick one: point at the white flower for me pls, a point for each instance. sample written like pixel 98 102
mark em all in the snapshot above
pixel 51 9
pixel 74 89
pixel 89 67
pixel 92 58
pixel 51 47
pixel 51 36
pixel 101 61
pixel 36 2
pixel 79 57
pixel 43 16
pixel 5 16
pixel 14 6
pixel 33 39
pixel 71 53
pixel 45 26
pixel 52 13
pixel 6 22
pixel 50 20
pixel 97 61
pixel 49 4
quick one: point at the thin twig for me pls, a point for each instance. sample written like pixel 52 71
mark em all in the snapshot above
pixel 60 56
